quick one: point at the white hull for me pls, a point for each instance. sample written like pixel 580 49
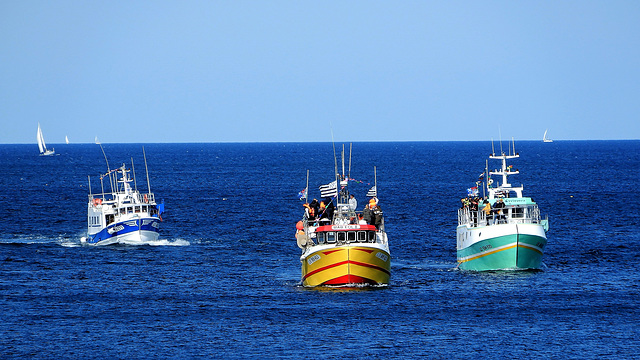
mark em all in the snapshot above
pixel 134 238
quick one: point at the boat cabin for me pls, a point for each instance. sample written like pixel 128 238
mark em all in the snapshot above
pixel 345 234
pixel 520 210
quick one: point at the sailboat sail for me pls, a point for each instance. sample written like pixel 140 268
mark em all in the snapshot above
pixel 66 139
pixel 41 144
pixel 544 137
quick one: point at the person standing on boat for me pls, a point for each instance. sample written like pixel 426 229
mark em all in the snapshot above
pixel 314 205
pixel 366 213
pixel 498 210
pixel 473 208
pixel 377 216
pixel 353 203
pixel 487 210
pixel 330 208
pixel 310 212
pixel 322 213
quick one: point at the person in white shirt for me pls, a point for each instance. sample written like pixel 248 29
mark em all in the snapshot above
pixel 353 203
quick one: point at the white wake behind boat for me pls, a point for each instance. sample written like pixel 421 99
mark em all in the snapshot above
pixel 41 144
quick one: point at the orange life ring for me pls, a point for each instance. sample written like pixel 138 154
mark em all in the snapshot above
pixel 145 198
pixel 97 201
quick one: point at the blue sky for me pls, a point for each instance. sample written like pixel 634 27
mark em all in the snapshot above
pixel 271 71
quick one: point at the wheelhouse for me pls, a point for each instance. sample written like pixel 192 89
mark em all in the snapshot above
pixel 345 234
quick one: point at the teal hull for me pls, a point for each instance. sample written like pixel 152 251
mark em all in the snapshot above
pixel 510 252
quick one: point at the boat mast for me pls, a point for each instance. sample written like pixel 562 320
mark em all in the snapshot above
pixel 90 195
pixel 485 188
pixel 102 186
pixel 375 179
pixel 133 170
pixel 343 161
pixel 350 151
pixel 146 170
pixel 335 159
pixel 306 189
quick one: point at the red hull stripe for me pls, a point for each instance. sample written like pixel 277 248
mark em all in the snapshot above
pixel 349 279
pixel 331 251
pixel 365 250
pixel 346 262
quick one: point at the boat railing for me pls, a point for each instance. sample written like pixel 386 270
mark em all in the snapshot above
pixel 342 237
pixel 138 198
pixel 521 214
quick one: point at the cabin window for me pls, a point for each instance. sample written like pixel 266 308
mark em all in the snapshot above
pixel 372 236
pixel 144 208
pixel 342 237
pixel 331 237
pixel 129 210
pixel 362 236
pixel 351 236
pixel 137 209
pixel 517 212
pixel 320 237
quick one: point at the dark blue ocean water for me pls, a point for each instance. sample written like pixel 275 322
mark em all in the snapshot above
pixel 223 282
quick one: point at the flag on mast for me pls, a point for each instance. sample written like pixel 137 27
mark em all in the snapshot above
pixel 329 190
pixel 302 194
pixel 373 192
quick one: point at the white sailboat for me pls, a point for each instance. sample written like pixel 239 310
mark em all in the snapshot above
pixel 41 145
pixel 544 137
pixel 66 139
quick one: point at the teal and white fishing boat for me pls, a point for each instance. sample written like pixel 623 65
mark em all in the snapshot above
pixel 510 235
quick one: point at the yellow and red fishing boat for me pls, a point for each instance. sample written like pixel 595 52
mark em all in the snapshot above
pixel 346 255
pixel 340 245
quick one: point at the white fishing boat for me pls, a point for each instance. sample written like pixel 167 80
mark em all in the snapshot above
pixel 338 247
pixel 544 137
pixel 503 232
pixel 41 144
pixel 124 214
